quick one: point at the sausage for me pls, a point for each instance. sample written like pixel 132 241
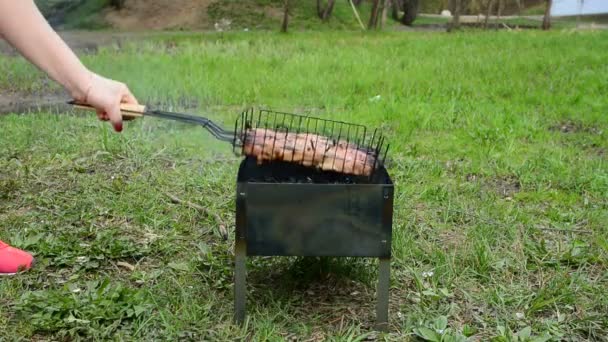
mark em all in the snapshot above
pixel 309 150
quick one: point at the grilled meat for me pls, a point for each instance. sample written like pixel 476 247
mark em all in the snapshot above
pixel 309 149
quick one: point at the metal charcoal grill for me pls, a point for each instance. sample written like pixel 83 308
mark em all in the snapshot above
pixel 286 209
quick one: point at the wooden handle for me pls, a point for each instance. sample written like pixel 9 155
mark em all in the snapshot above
pixel 128 110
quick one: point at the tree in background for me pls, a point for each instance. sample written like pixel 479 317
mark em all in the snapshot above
pixel 118 4
pixel 324 12
pixel 489 5
pixel 385 5
pixel 547 18
pixel 373 17
pixel 501 6
pixel 455 8
pixel 285 16
pixel 519 3
pixel 409 9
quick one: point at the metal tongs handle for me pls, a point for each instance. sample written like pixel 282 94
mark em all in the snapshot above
pixel 132 111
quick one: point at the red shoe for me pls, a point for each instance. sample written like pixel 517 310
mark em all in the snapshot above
pixel 13 260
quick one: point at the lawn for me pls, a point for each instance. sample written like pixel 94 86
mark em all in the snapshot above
pixel 498 153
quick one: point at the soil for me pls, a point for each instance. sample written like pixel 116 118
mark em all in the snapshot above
pixel 570 126
pixel 24 102
pixel 504 186
pixel 88 42
pixel 160 15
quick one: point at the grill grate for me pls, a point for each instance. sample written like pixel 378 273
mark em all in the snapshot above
pixel 310 141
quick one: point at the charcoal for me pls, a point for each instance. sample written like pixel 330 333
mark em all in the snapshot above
pixel 285 172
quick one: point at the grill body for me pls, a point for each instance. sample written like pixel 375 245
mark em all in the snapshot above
pixel 311 219
pixel 285 209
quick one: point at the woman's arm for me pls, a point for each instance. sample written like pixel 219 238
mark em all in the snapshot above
pixel 23 26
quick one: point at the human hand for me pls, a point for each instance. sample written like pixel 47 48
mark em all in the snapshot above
pixel 106 95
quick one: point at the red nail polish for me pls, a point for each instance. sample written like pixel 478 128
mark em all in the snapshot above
pixel 118 127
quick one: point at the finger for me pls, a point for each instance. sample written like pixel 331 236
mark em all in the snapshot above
pixel 128 97
pixel 115 116
pixel 101 115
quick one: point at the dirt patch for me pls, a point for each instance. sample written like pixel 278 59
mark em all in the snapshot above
pixel 454 165
pixel 89 42
pixel 504 186
pixel 598 151
pixel 595 150
pixel 160 14
pixel 571 126
pixel 245 14
pixel 452 239
pixel 82 42
pixel 23 103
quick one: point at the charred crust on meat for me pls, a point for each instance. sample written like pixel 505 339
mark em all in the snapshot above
pixel 339 156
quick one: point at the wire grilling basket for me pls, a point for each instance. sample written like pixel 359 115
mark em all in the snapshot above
pixel 327 145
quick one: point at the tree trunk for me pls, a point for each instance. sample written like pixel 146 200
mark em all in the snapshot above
pixel 547 18
pixel 410 9
pixel 578 14
pixel 488 12
pixel 373 18
pixel 396 7
pixel 118 4
pixel 385 5
pixel 329 9
pixel 285 16
pixel 456 13
pixel 500 5
pixel 319 9
pixel 519 3
pixel 325 13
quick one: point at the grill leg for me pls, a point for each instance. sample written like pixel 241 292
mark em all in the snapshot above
pixel 240 295
pixel 383 294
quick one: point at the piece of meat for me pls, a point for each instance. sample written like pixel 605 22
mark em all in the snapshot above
pixel 308 149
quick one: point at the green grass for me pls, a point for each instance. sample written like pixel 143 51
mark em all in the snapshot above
pixel 498 155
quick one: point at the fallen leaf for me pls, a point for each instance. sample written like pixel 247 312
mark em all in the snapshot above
pixel 126 265
pixel 223 232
